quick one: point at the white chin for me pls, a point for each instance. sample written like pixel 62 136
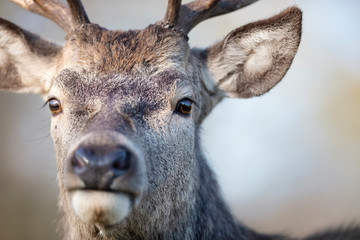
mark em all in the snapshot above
pixel 100 207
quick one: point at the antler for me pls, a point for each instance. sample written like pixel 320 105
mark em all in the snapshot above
pixel 66 18
pixel 172 12
pixel 78 13
pixel 186 17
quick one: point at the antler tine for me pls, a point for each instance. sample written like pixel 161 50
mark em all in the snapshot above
pixel 66 18
pixel 172 12
pixel 78 13
pixel 195 12
pixel 51 9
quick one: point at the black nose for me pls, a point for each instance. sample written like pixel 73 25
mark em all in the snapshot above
pixel 98 166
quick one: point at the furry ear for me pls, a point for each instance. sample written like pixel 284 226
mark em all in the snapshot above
pixel 27 62
pixel 254 58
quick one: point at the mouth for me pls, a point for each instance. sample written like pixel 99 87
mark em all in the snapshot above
pixel 101 208
pixel 105 176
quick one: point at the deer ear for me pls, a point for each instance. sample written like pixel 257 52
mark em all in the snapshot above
pixel 254 58
pixel 27 62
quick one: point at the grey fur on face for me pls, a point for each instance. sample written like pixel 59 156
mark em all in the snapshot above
pixel 129 159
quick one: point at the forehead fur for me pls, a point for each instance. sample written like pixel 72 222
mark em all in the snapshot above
pixel 131 52
pixel 86 85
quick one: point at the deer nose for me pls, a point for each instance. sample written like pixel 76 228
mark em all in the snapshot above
pixel 98 166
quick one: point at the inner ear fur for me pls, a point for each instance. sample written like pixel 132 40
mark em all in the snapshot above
pixel 254 58
pixel 27 62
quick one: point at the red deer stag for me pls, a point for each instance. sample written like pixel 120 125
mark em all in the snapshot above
pixel 126 111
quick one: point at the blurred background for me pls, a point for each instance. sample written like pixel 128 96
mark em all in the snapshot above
pixel 288 161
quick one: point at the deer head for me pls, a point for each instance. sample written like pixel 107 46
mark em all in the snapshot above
pixel 127 105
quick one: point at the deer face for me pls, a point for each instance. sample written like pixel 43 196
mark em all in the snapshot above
pixel 124 128
pixel 127 106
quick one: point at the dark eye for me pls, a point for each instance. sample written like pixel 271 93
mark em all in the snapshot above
pixel 184 107
pixel 55 106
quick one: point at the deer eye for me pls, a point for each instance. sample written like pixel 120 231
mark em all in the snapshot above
pixel 54 106
pixel 184 107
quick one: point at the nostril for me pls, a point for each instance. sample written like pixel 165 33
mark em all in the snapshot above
pixel 100 166
pixel 122 160
pixel 79 161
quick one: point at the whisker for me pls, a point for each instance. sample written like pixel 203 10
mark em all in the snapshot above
pixel 41 141
pixel 38 138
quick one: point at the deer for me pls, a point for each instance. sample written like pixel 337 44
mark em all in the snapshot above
pixel 127 108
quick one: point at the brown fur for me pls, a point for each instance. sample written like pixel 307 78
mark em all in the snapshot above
pixel 122 88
